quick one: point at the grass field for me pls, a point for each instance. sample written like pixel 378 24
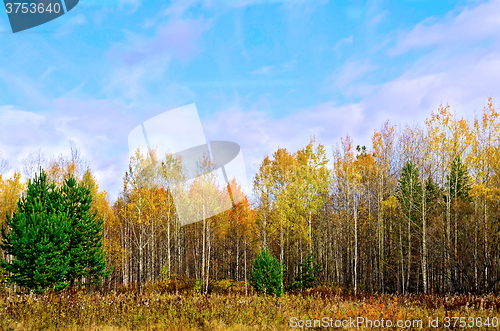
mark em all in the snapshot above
pixel 157 309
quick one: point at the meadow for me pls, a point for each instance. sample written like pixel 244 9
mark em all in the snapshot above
pixel 227 307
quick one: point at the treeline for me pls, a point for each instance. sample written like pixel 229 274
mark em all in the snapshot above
pixel 416 212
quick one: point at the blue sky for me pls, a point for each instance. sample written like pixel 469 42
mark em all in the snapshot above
pixel 262 73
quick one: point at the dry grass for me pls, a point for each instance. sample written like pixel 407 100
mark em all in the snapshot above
pixel 160 309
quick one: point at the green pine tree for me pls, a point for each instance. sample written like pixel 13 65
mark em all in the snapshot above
pixel 308 273
pixel 457 197
pixel 409 192
pixel 409 195
pixel 87 259
pixel 458 180
pixel 53 238
pixel 37 239
pixel 266 275
pixel 431 193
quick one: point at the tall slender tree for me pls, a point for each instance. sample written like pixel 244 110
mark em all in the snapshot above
pixel 409 196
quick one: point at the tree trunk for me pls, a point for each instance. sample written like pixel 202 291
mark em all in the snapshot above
pixel 246 289
pixel 204 236
pixel 209 246
pixel 402 260
pixel 152 275
pixel 355 246
pixel 380 232
pixel 476 231
pixel 448 241
pixel 486 248
pixel 310 233
pixel 169 244
pixel 139 273
pixel 424 240
pixel 237 249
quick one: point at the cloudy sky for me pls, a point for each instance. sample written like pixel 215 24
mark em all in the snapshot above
pixel 262 73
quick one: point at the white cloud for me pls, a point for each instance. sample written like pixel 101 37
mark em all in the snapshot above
pixel 130 81
pixel 470 25
pixel 68 27
pixel 284 67
pixel 344 41
pixel 379 17
pixel 130 4
pixel 350 72
pixel 30 89
pixel 178 38
pixel 19 117
pixel 98 128
pixel 464 81
pixel 179 7
pixel 259 134
pixel 263 70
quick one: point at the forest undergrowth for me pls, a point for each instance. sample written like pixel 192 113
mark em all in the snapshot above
pixel 227 307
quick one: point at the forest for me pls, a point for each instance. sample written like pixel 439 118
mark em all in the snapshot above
pixel 405 228
pixel 415 213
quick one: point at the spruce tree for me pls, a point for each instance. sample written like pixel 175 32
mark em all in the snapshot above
pixel 37 239
pixel 266 275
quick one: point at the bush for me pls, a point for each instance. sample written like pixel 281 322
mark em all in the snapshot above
pixel 266 275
